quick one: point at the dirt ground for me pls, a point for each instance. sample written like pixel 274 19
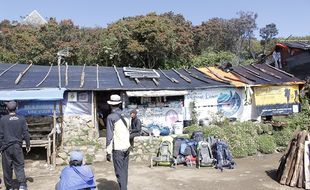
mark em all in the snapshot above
pixel 251 173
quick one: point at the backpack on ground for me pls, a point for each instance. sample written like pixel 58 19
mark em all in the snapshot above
pixel 197 136
pixel 204 155
pixel 223 156
pixel 164 155
pixel 184 151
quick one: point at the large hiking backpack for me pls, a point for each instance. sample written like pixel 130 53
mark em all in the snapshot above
pixel 164 155
pixel 197 136
pixel 223 156
pixel 204 154
pixel 184 151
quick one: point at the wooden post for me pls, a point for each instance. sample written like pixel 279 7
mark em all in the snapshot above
pixel 307 164
pixel 54 136
pixel 61 124
pixel 288 162
pixel 299 154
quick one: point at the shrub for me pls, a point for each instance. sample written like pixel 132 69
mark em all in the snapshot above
pixel 214 130
pixel 283 137
pixel 266 144
pixel 190 129
pixel 242 138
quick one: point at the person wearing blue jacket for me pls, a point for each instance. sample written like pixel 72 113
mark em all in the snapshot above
pixel 76 176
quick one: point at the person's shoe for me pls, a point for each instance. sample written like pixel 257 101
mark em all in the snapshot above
pixel 22 188
pixel 30 179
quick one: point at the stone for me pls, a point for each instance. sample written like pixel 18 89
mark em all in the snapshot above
pixel 63 155
pixel 100 158
pixel 60 161
pixel 35 164
pixel 138 159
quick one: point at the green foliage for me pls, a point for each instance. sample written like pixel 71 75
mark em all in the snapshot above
pixel 265 128
pixel 89 158
pixel 212 58
pixel 190 129
pixel 283 137
pixel 266 144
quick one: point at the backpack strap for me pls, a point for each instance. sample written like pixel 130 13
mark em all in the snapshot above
pixel 122 118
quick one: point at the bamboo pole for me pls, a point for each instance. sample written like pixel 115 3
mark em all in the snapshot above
pixel 54 136
pixel 97 78
pixel 66 74
pixel 48 72
pixel 21 74
pixel 6 70
pixel 118 77
pixel 82 77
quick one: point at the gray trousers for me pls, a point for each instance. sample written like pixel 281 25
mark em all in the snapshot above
pixel 120 161
pixel 13 158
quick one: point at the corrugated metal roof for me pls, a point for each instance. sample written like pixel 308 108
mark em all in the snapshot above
pixel 254 74
pixel 298 45
pixel 107 79
pixel 262 74
pixel 218 74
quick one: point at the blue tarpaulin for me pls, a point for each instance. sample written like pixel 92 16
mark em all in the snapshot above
pixel 32 94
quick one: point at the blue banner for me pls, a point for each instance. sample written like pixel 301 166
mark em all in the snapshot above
pixel 37 108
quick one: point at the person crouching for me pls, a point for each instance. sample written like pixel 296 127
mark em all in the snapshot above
pixel 76 176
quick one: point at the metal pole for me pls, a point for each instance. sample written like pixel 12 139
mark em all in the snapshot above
pixel 54 136
pixel 59 76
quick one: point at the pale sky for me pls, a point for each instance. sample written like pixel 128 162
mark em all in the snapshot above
pixel 291 17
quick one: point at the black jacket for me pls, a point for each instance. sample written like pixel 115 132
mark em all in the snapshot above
pixel 13 129
pixel 135 125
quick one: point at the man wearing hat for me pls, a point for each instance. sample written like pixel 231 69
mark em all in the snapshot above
pixel 135 126
pixel 118 141
pixel 13 130
pixel 76 176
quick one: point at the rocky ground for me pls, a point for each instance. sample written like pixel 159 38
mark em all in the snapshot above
pixel 251 173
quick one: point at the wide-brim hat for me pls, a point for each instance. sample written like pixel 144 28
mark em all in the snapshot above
pixel 114 100
pixel 76 155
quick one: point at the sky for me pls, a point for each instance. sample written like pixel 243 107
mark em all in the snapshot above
pixel 290 17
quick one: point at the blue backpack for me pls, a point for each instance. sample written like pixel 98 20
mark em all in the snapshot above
pixel 223 156
pixel 198 136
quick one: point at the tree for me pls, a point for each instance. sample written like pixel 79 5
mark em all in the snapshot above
pixel 268 33
pixel 244 26
pixel 147 41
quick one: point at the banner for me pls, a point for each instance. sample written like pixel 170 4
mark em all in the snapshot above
pixel 277 100
pixel 37 108
pixel 228 101
pixel 273 95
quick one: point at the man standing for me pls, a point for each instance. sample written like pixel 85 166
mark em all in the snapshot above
pixel 13 130
pixel 118 141
pixel 135 128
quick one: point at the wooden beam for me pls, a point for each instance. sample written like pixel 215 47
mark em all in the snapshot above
pixel 262 78
pixel 97 75
pixel 281 71
pixel 170 78
pixel 266 72
pixel 182 76
pixel 82 77
pixel 6 70
pixel 48 72
pixel 118 77
pixel 21 74
pixel 66 74
pixel 155 81
pixel 218 76
pixel 195 76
